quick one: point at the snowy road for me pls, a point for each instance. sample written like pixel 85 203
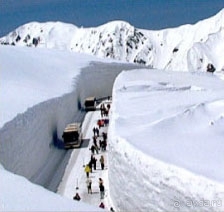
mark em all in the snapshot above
pixel 74 179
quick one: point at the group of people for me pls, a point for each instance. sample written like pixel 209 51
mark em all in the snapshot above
pixel 102 122
pixel 104 110
pixel 96 146
pixel 92 165
pixel 102 145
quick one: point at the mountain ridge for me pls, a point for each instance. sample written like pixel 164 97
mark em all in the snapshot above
pixel 186 48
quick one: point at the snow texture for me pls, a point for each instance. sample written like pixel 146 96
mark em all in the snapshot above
pixel 186 48
pixel 166 141
pixel 18 194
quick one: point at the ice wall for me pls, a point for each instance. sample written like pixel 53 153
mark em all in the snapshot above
pixel 151 185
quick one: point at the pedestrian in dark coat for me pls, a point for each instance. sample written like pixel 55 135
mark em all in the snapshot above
pixel 91 166
pixel 104 136
pixel 104 145
pixel 101 187
pixel 94 163
pixel 94 131
pixel 89 185
pixel 100 181
pixel 92 149
pixel 102 191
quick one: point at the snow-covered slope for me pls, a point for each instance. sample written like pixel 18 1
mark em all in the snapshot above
pixel 166 140
pixel 186 48
pixel 18 194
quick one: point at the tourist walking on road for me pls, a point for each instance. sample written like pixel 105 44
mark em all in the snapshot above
pixel 101 186
pixel 94 131
pixel 89 185
pixel 100 181
pixel 92 148
pixel 94 162
pixel 102 191
pixel 97 132
pixel 87 170
pixel 102 162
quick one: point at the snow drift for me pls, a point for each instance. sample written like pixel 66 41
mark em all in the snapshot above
pixel 166 142
pixel 18 194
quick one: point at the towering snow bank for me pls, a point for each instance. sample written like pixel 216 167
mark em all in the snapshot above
pixel 31 76
pixel 38 100
pixel 182 48
pixel 166 141
pixel 42 91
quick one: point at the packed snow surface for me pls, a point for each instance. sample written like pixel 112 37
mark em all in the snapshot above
pixel 18 194
pixel 166 136
pixel 175 117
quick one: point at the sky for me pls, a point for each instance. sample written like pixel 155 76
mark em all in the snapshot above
pixel 145 14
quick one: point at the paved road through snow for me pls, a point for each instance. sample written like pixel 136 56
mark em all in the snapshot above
pixel 74 179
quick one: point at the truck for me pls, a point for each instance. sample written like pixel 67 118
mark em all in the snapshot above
pixel 72 136
pixel 90 103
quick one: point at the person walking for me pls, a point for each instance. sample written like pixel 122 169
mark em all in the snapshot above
pixel 101 186
pixel 94 131
pixel 94 163
pixel 87 170
pixel 102 189
pixel 89 185
pixel 91 166
pixel 100 181
pixel 97 132
pixel 102 162
pixel 92 148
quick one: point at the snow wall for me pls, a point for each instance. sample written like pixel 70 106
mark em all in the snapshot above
pixel 159 187
pixel 30 143
pixel 149 184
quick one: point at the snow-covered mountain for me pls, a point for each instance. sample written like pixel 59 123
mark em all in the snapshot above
pixel 186 48
pixel 178 117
